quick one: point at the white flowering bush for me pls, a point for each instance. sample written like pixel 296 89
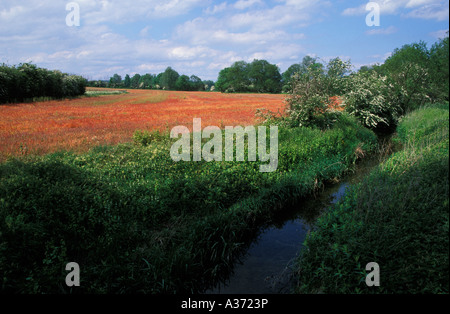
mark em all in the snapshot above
pixel 370 99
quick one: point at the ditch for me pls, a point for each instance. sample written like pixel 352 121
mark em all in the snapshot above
pixel 267 266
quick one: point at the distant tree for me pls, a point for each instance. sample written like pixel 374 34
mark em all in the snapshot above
pixel 183 83
pixel 196 83
pixel 234 78
pixel 135 81
pixel 127 81
pixel 169 79
pixel 146 81
pixel 259 76
pixel 208 84
pixel 298 68
pixel 157 81
pixel 27 81
pixel 115 81
pixel 264 77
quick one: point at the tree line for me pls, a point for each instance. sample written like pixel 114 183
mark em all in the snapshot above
pixel 167 80
pixel 27 81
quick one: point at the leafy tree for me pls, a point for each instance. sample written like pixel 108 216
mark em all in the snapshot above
pixel 309 102
pixel 408 71
pixel 135 81
pixel 183 83
pixel 27 81
pixel 297 68
pixel 196 84
pixel 208 84
pixel 259 76
pixel 169 79
pixel 264 77
pixel 439 67
pixel 337 71
pixel 115 81
pixel 127 81
pixel 234 78
pixel 370 100
pixel 146 81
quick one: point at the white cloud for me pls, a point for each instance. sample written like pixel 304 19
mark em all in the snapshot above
pixel 439 34
pixel 423 9
pixel 430 12
pixel 382 31
pixel 217 8
pixel 244 4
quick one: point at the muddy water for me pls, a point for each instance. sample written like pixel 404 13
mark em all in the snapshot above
pixel 266 267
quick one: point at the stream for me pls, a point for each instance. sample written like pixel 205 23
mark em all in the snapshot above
pixel 266 267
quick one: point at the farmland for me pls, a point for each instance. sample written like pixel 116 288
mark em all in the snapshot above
pixel 82 123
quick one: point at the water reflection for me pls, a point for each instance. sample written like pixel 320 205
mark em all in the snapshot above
pixel 266 267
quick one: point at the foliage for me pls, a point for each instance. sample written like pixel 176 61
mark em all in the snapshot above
pixel 369 99
pixel 169 79
pixel 27 82
pixel 298 68
pixel 310 102
pixel 397 217
pixel 418 75
pixel 439 67
pixel 136 221
pixel 258 76
pixel 145 138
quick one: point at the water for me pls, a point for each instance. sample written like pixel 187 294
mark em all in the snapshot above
pixel 266 268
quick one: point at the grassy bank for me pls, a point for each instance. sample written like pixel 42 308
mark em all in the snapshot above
pixel 136 221
pixel 397 217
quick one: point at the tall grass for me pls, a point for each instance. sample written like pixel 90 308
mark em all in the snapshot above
pixel 136 221
pixel 397 217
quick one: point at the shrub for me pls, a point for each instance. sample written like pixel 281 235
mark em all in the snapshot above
pixel 370 102
pixel 145 138
pixel 26 82
pixel 311 102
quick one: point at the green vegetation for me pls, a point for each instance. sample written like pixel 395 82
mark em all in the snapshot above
pixel 136 221
pixel 96 93
pixel 258 76
pixel 167 80
pixel 397 217
pixel 27 82
pixel 377 96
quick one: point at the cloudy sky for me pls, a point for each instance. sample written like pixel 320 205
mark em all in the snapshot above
pixel 202 37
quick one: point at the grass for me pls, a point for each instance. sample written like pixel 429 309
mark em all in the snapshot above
pixel 137 222
pixel 397 217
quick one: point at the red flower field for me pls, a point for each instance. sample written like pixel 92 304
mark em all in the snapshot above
pixel 82 123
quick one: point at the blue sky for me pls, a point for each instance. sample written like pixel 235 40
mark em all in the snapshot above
pixel 201 37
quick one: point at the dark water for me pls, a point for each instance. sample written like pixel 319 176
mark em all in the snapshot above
pixel 266 268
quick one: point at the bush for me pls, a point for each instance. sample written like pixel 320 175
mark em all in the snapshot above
pixel 370 101
pixel 26 82
pixel 145 138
